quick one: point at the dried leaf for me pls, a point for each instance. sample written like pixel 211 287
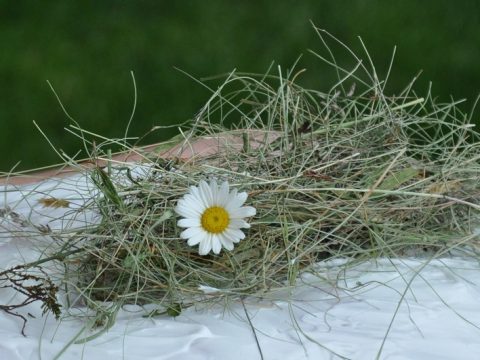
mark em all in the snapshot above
pixel 54 202
pixel 444 187
pixel 398 178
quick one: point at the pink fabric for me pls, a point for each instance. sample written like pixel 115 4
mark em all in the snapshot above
pixel 186 151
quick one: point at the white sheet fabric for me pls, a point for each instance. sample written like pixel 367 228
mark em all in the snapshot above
pixel 393 309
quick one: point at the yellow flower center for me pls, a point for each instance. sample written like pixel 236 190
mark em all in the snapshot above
pixel 215 219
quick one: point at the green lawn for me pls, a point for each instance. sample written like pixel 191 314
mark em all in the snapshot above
pixel 87 50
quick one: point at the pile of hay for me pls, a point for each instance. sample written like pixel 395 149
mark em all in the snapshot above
pixel 343 174
pixel 330 174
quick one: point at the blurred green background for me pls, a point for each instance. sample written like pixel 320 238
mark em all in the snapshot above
pixel 87 49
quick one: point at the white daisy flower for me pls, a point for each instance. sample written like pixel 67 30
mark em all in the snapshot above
pixel 213 216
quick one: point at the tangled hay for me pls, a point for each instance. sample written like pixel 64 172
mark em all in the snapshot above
pixel 343 174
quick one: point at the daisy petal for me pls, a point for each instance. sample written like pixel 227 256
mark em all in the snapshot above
pixel 235 235
pixel 228 236
pixel 191 232
pixel 205 245
pixel 194 195
pixel 222 199
pixel 231 196
pixel 237 201
pixel 186 211
pixel 243 212
pixel 205 193
pixel 188 222
pixel 238 223
pixel 226 242
pixel 216 244
pixel 214 191
pixel 192 201
pixel 196 239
